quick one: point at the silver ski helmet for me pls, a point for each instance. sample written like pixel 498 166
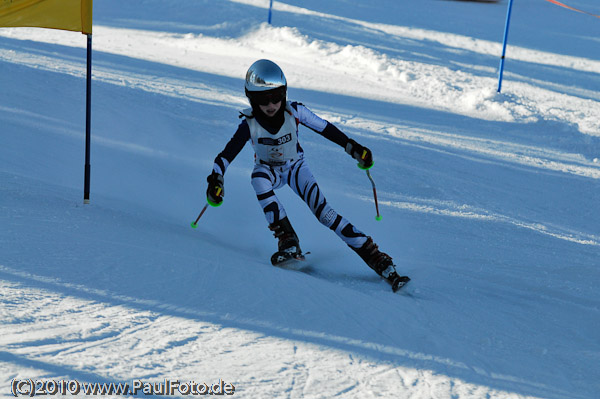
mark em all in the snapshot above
pixel 264 76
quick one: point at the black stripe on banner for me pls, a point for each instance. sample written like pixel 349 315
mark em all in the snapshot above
pixel 266 195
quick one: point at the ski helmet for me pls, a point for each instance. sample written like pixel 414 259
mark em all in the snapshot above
pixel 264 75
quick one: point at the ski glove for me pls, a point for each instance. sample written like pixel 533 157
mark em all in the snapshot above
pixel 215 190
pixel 363 155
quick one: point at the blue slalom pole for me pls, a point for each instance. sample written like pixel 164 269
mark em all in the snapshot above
pixel 270 11
pixel 88 115
pixel 510 3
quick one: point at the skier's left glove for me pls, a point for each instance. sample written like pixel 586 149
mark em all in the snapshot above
pixel 215 190
pixel 362 154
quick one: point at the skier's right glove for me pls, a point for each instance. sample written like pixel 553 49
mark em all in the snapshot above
pixel 215 190
pixel 362 154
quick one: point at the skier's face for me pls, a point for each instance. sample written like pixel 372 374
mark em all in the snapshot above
pixel 270 109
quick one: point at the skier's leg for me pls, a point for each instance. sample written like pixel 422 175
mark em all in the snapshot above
pixel 303 183
pixel 265 180
pixel 379 261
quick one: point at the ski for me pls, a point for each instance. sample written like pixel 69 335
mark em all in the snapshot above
pixel 398 282
pixel 286 259
pixel 282 258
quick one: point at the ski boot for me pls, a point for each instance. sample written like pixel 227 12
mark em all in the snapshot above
pixel 382 264
pixel 288 245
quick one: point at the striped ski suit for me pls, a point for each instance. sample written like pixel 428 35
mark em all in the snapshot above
pixel 291 169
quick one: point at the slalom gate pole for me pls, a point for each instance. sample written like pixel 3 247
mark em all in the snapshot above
pixel 270 11
pixel 501 71
pixel 195 223
pixel 88 115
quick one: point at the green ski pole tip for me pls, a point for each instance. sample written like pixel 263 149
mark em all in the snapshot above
pixel 378 218
pixel 194 225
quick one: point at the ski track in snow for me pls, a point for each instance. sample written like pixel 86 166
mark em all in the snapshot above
pixel 163 346
pixel 450 209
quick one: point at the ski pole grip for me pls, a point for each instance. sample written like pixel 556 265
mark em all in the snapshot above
pixel 218 193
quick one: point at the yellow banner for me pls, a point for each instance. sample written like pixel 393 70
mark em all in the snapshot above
pixel 73 15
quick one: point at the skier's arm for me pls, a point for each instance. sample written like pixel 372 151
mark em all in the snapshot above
pixel 319 125
pixel 215 190
pixel 232 149
pixel 328 130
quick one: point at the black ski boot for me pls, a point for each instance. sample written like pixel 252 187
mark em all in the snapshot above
pixel 288 245
pixel 382 264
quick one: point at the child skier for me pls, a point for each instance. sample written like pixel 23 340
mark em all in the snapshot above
pixel 271 125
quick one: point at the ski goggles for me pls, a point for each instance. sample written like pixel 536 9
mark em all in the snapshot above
pixel 268 97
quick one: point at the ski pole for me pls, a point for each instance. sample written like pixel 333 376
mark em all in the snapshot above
pixel 208 202
pixel 195 223
pixel 378 217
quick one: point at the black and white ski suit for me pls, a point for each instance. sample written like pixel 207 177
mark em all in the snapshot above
pixel 279 160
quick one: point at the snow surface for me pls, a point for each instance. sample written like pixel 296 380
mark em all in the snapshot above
pixel 489 201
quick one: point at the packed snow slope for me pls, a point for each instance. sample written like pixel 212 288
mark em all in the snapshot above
pixel 489 201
